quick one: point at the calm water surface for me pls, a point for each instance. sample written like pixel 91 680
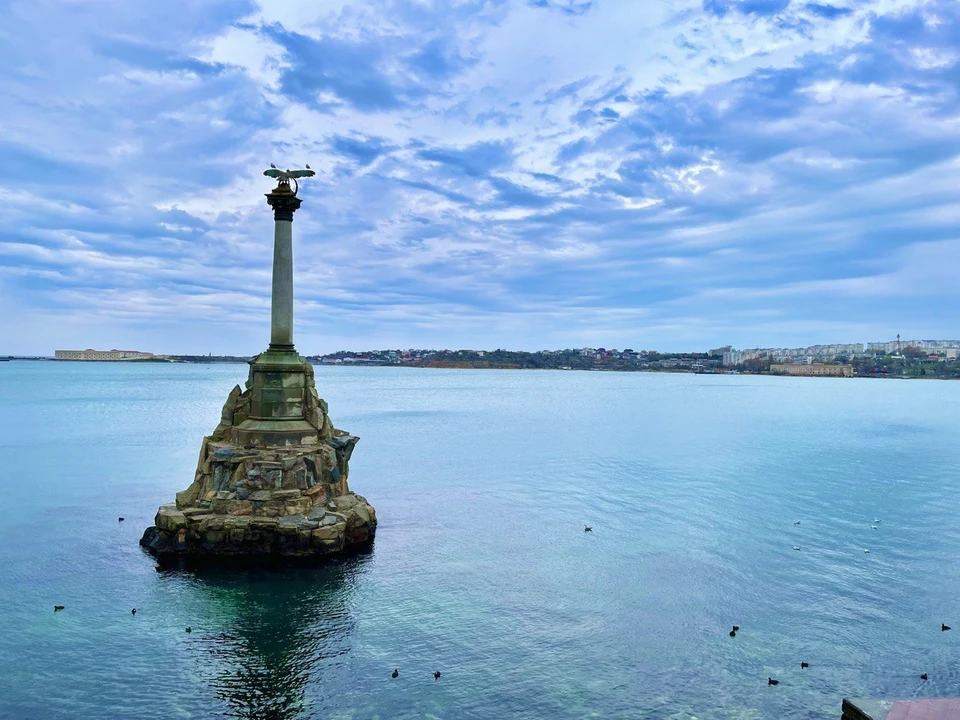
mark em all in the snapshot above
pixel 483 481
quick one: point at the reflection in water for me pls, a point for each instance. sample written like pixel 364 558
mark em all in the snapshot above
pixel 273 631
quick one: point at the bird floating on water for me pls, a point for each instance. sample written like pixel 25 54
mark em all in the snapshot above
pixel 733 633
pixel 736 627
pixel 58 607
pixel 944 628
pixel 804 665
pixel 796 547
pixel 189 629
pixel 587 528
pixel 771 681
pixel 923 677
pixel 873 527
pixel 866 550
pixel 436 675
pixel 796 522
pixel 133 612
pixel 875 520
pixel 119 519
pixel 395 674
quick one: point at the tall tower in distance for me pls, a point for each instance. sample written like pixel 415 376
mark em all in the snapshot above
pixel 898 345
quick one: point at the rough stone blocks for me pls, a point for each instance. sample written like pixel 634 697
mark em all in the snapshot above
pixel 271 479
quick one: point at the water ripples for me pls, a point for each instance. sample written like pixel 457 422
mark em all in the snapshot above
pixel 483 482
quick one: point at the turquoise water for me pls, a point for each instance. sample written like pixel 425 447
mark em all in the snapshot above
pixel 483 481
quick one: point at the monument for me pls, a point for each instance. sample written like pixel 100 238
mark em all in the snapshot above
pixel 272 478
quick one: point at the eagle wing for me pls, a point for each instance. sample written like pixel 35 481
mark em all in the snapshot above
pixel 300 173
pixel 274 173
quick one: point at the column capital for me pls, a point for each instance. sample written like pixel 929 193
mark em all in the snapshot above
pixel 284 203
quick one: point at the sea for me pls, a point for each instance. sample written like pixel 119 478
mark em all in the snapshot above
pixel 821 515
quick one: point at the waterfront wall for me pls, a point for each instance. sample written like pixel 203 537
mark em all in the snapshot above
pixel 813 370
pixel 101 355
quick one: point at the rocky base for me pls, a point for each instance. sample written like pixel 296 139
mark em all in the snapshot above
pixel 327 528
pixel 272 483
pixel 286 501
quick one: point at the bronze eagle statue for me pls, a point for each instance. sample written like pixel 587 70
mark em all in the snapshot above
pixel 283 177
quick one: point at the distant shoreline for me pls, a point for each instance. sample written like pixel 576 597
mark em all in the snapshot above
pixel 171 360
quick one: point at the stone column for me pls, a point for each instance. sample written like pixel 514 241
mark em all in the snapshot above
pixel 284 204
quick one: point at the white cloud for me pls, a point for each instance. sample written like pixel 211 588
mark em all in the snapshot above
pixel 725 159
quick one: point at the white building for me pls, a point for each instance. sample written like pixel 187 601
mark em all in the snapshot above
pixel 888 348
pixel 732 357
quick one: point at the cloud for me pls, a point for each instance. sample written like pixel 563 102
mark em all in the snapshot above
pixel 437 60
pixel 827 11
pixel 745 7
pixel 510 194
pixel 568 7
pixel 325 72
pixel 476 160
pixel 143 55
pixel 360 149
pixel 751 171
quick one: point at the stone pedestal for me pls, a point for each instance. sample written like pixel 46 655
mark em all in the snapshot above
pixel 271 479
pixel 282 407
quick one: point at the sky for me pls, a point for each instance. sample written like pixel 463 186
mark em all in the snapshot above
pixel 520 174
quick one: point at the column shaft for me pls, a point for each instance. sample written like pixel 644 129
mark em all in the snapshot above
pixel 281 315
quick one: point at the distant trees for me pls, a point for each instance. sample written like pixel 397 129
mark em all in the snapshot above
pixel 755 365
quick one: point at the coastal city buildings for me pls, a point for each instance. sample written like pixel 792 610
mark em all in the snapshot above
pixel 895 358
pixel 946 349
pixel 888 348
pixel 915 358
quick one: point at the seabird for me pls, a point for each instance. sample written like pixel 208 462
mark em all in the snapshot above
pixel 307 167
pixel 133 612
pixel 587 528
pixel 395 673
pixel 873 527
pixel 796 522
pixel 804 665
pixel 736 627
pixel 944 628
pixel 876 521
pixel 58 607
pixel 189 629
pixel 120 519
pixel 436 675
pixel 923 677
pixel 273 166
pixel 771 681
pixel 866 550
pixel 795 547
pixel 733 633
